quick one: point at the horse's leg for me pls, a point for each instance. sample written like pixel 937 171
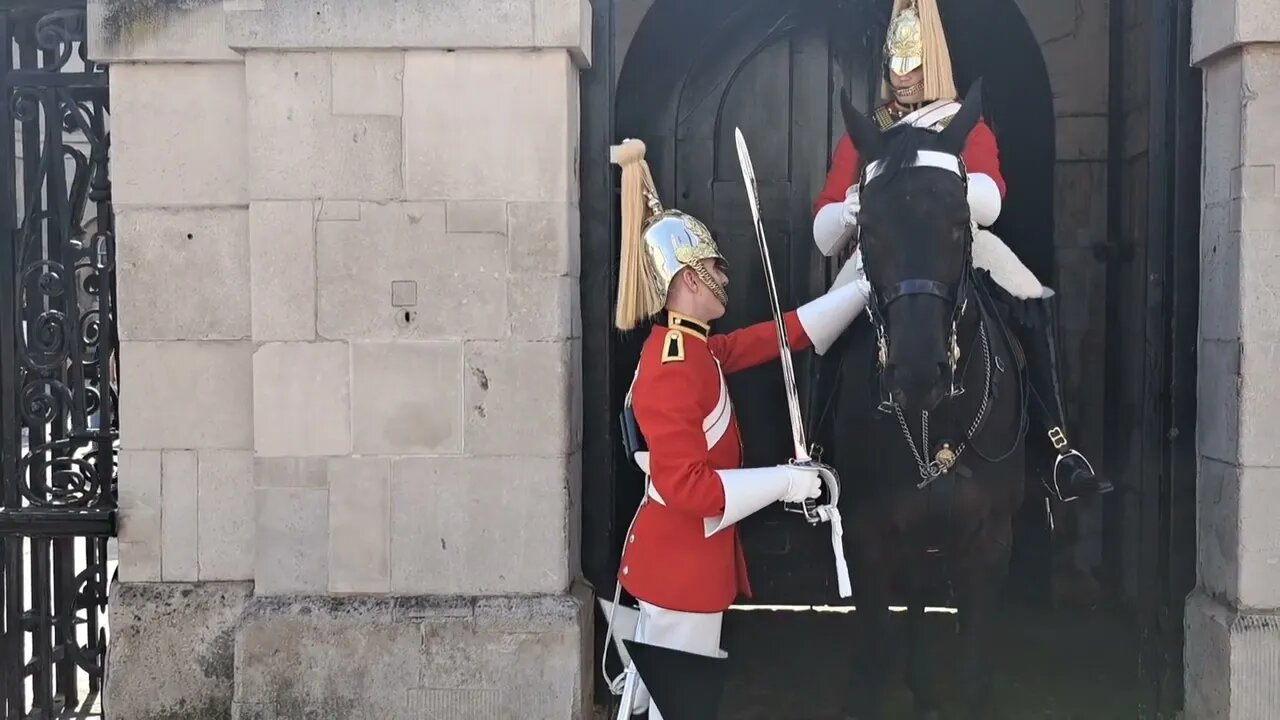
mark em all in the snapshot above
pixel 978 592
pixel 920 665
pixel 873 651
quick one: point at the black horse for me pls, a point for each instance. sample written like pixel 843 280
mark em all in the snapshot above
pixel 928 418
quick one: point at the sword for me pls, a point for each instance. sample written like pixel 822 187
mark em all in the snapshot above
pixel 812 512
pixel 784 347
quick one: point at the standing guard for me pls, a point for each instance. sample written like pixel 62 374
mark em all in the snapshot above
pixel 682 558
pixel 919 90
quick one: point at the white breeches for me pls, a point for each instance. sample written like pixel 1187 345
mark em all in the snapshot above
pixel 691 632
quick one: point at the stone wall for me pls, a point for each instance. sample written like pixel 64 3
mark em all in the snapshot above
pixel 350 341
pixel 1233 618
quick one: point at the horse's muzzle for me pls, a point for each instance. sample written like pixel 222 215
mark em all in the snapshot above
pixel 917 386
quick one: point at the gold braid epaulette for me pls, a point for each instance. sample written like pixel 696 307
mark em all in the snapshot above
pixel 885 117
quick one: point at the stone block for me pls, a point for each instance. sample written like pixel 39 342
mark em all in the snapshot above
pixel 460 277
pixel 1073 55
pixel 407 397
pixel 1218 408
pixel 1230 661
pixel 123 31
pixel 339 210
pixel 1080 217
pixel 301 399
pixel 1259 403
pixel 282 246
pixel 470 148
pixel 1258 553
pixel 544 307
pixel 183 273
pixel 544 238
pixel 198 395
pixel 564 24
pixel 179 541
pixel 363 658
pixel 1217 513
pixel 456 524
pixel 1218 28
pixel 301 149
pixel 291 540
pixel 1259 283
pixel 517 398
pixel 1223 126
pixel 139 515
pixel 291 472
pixel 1081 137
pixel 178 134
pixel 225 515
pixel 359 525
pixel 486 216
pixel 172 649
pixel 1253 181
pixel 1220 271
pixel 367 83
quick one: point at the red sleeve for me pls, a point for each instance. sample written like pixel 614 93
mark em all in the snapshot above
pixel 670 415
pixel 756 344
pixel 844 170
pixel 981 155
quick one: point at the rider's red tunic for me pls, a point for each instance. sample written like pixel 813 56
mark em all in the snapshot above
pixel 682 405
pixel 980 156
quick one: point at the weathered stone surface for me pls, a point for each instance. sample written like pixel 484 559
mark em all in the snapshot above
pixel 123 31
pixel 1081 137
pixel 359 525
pixel 486 216
pixel 456 524
pixel 544 238
pixel 1216 28
pixel 139 515
pixel 1218 504
pixel 172 650
pixel 517 398
pixel 1075 55
pixel 282 246
pixel 1259 401
pixel 1230 658
pixel 407 397
pixel 178 134
pixel 460 277
pixel 1218 408
pixel 301 399
pixel 292 540
pixel 471 148
pixel 364 658
pixel 1223 126
pixel 1220 271
pixel 179 540
pixel 302 150
pixel 183 273
pixel 1079 213
pixel 1259 103
pixel 564 24
pixel 198 395
pixel 367 83
pixel 544 307
pixel 225 515
pixel 291 472
pixel 339 210
pixel 300 24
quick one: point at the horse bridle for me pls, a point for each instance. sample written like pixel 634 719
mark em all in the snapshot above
pixel 957 294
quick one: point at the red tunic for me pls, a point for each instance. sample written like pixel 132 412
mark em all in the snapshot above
pixel 667 560
pixel 980 156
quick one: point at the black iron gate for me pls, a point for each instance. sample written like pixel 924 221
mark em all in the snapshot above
pixel 58 404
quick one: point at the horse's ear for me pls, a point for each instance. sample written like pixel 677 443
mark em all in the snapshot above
pixel 953 136
pixel 862 130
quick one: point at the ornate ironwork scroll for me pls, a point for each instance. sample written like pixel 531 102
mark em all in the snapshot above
pixel 58 400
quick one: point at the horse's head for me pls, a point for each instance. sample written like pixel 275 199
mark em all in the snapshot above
pixel 915 238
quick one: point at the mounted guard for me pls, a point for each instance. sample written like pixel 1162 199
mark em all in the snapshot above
pixel 919 90
pixel 682 559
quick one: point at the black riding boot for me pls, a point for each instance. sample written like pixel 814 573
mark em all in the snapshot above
pixel 1073 476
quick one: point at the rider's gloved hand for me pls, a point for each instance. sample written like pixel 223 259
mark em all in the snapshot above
pixel 852 204
pixel 805 483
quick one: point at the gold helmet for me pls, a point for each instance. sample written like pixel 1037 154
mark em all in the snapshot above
pixel 657 243
pixel 916 39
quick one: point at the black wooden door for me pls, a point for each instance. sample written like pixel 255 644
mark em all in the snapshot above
pixel 772 74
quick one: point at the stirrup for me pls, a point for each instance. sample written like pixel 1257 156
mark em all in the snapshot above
pixel 1055 487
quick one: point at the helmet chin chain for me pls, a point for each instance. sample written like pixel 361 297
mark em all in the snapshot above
pixel 910 95
pixel 712 284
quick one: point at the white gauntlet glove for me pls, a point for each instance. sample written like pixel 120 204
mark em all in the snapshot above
pixel 852 204
pixel 804 484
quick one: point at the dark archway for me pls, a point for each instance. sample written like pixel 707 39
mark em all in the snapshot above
pixel 693 72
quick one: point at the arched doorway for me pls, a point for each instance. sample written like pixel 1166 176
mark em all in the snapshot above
pixel 775 69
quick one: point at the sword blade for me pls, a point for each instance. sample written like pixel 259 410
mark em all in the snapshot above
pixel 784 347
